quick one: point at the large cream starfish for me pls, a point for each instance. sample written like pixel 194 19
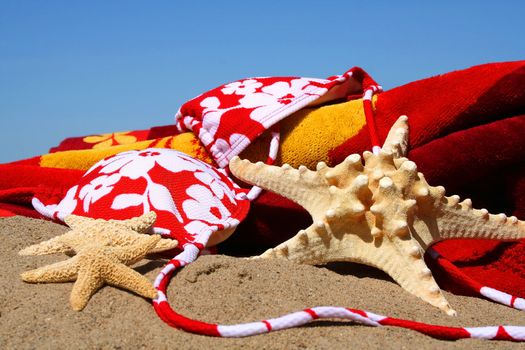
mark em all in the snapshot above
pixel 103 250
pixel 383 214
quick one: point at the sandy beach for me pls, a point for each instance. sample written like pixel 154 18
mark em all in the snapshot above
pixel 221 289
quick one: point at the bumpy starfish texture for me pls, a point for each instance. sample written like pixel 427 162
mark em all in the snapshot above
pixel 106 232
pixel 103 249
pixel 381 213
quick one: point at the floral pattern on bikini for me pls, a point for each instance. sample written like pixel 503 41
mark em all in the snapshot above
pixel 230 117
pixel 188 195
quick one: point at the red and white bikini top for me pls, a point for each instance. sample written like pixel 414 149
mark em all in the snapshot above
pixel 230 117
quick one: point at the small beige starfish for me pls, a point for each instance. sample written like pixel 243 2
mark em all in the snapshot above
pixel 103 249
pixel 106 232
pixel 381 213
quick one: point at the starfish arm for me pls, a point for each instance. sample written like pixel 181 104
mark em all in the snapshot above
pixel 115 235
pixel 140 224
pixel 89 280
pixel 76 221
pixel 113 232
pixel 400 259
pixel 460 220
pixel 108 264
pixel 397 140
pixel 299 185
pixel 62 271
pixel 306 247
pixel 122 276
pixel 134 253
pixel 403 261
pixel 58 244
pixel 164 244
pixel 124 237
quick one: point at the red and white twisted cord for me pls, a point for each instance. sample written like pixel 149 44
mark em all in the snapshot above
pixel 370 117
pixel 191 252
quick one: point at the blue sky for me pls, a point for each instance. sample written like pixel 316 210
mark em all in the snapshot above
pixel 73 68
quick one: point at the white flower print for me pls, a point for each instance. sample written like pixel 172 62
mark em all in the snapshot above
pixel 211 115
pixel 68 204
pixel 223 146
pixel 97 188
pixel 126 200
pixel 143 161
pixel 279 93
pixel 196 227
pixel 161 199
pixel 204 205
pixel 244 87
pixel 136 164
pixel 211 121
pixel 216 184
pixel 114 163
pixel 210 103
pixel 220 146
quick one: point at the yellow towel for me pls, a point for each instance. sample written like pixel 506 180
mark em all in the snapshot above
pixel 84 159
pixel 308 135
